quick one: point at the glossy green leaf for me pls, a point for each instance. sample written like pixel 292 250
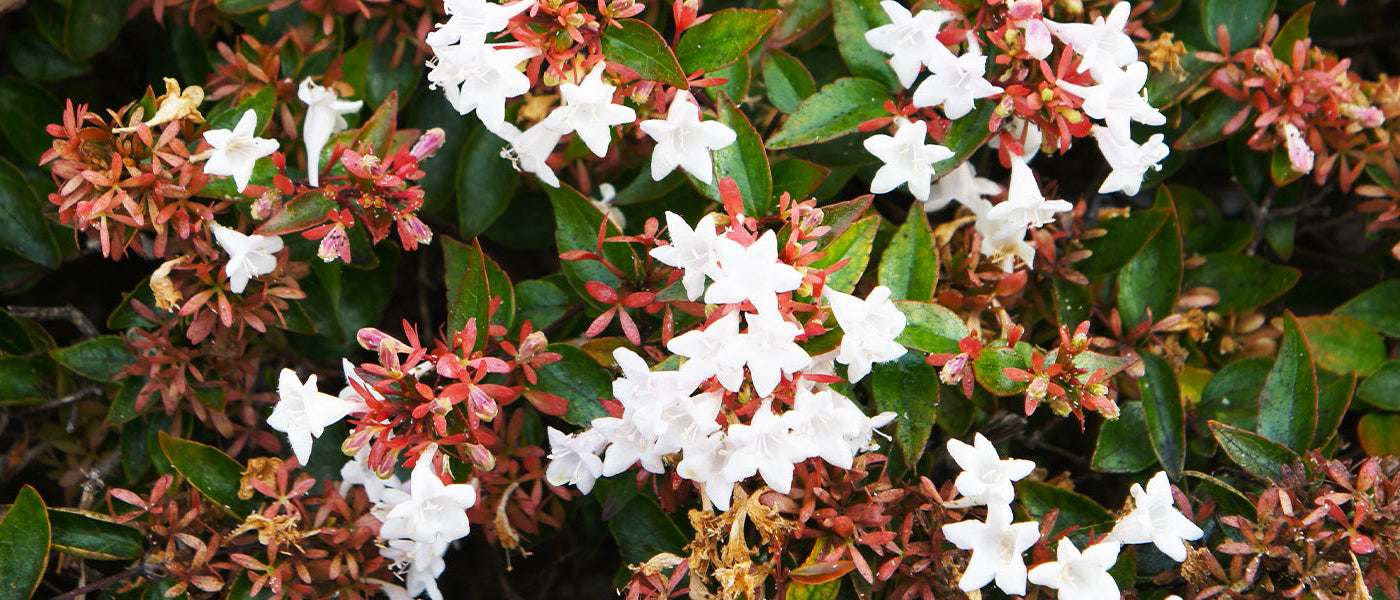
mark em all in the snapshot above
pixel 23 229
pixel 1378 306
pixel 1232 395
pixel 723 38
pixel 798 178
pixel 797 19
pixel 1209 127
pixel 1121 447
pixel 990 369
pixel 1163 413
pixel 303 211
pixel 24 545
pixel 1254 453
pixel 965 136
pixel 643 530
pixel 1332 404
pixel 540 302
pixel 1222 236
pixel 1150 282
pixel 1288 402
pixel 486 181
pixel 908 386
pixel 1343 344
pixel 745 162
pixel 577 224
pixel 580 380
pixel 635 45
pixel 25 108
pixel 931 327
pixel 1293 30
pixel 909 266
pixel 1123 238
pixel 852 18
pixel 1244 19
pixel 378 130
pixel 92 25
pixel 1230 499
pixel 737 77
pixel 1039 498
pixel 209 470
pixel 855 244
pixel 1382 388
pixel 24 380
pixel 786 79
pixel 1072 302
pixel 473 280
pixel 38 60
pixel 835 110
pixel 91 535
pixel 1380 434
pixel 99 359
pixel 1244 282
pixel 123 406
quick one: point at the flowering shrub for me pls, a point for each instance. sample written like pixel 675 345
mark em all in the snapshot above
pixel 799 299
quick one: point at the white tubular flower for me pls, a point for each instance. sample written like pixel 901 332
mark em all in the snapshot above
pixel 430 512
pixel 705 462
pixel 691 250
pixel 1117 99
pixel 249 256
pixel 829 423
pixel 955 83
pixel 868 329
pixel 1155 519
pixel 1130 161
pixel 303 412
pixel 961 184
pixel 1024 205
pixel 421 564
pixel 530 149
pixel 1101 44
pixel 470 21
pixel 355 472
pixel 769 351
pixel 705 351
pixel 911 40
pixel 753 273
pixel 573 459
pixel 997 546
pixel 235 152
pixel 588 110
pixel 348 393
pixel 323 119
pixel 683 140
pixel 986 478
pixel 1080 576
pixel 908 160
pixel 481 77
pixel 766 446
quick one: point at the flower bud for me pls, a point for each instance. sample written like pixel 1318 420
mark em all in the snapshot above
pixel 481 457
pixel 428 143
pixel 373 339
pixel 335 245
pixel 418 229
pixel 262 207
pixel 952 372
pixel 481 404
pixel 532 345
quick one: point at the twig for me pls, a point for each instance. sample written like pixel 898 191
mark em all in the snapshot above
pixel 57 313
pixel 58 402
pixel 101 583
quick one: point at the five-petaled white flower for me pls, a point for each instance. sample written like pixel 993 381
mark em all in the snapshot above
pixel 868 329
pixel 1080 576
pixel 431 512
pixel 248 255
pixel 1130 161
pixel 961 184
pixel 470 21
pixel 481 77
pixel 1102 44
pixel 691 250
pixel 1155 519
pixel 235 152
pixel 683 140
pixel 1025 206
pixel 830 423
pixel 573 459
pixel 768 349
pixel 706 350
pixel 303 412
pixel 588 110
pixel 911 40
pixel 323 119
pixel 529 150
pixel 997 546
pixel 1117 99
pixel 705 462
pixel 956 82
pixel 766 446
pixel 985 477
pixel 753 273
pixel 907 158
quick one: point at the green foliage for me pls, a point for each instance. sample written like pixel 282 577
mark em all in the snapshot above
pixel 24 545
pixel 209 470
pixel 909 387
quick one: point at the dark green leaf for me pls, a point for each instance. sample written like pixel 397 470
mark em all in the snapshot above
pixel 1223 236
pixel 23 229
pixel 965 136
pixel 1382 388
pixel 378 130
pixel 1039 498
pixel 745 162
pixel 485 183
pixel 24 110
pixel 1123 239
pixel 1288 402
pixel 392 76
pixel 643 530
pixel 92 25
pixel 24 380
pixel 834 111
pixel 1121 447
pixel 1244 19
pixel 1332 404
pixel 1072 302
pixel 855 244
pixel 736 76
pixel 209 470
pixel 1209 128
pixel 723 38
pixel 580 380
pixel 36 59
pixel 788 82
pixel 1150 282
pixel 301 212
pixel 577 225
pixel 1296 29
pixel 1262 458
pixel 798 178
pixel 909 266
pixel 1343 344
pixel 1380 434
pixel 990 369
pixel 635 45
pixel 797 19
pixel 24 545
pixel 99 359
pixel 1231 500
pixel 1163 413
pixel 1378 306
pixel 1244 282
pixel 908 386
pixel 87 534
pixel 1232 395
pixel 931 327
pixel 540 302
pixel 123 407
pixel 852 19
pixel 473 279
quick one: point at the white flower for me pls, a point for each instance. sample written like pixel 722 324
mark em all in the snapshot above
pixel 420 563
pixel 1038 42
pixel 1025 132
pixel 691 250
pixel 829 423
pixel 323 119
pixel 704 461
pixel 530 149
pixel 303 413
pixel 911 40
pixel 1003 242
pixel 430 512
pixel 588 109
pixel 348 393
pixel 470 21
pixel 868 329
pixel 753 273
pixel 1117 99
pixel 769 351
pixel 235 152
pixel 355 472
pixel 1101 44
pixel 997 546
pixel 249 256
pixel 481 77
pixel 961 184
pixel 683 140
pixel 907 158
pixel 1130 161
pixel 1080 576
pixel 955 84
pixel 689 420
pixel 573 459
pixel 645 396
pixel 985 477
pixel 1024 205
pixel 706 350
pixel 1300 155
pixel 1155 519
pixel 767 446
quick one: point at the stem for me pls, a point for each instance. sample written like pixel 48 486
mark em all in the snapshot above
pixel 67 312
pixel 101 583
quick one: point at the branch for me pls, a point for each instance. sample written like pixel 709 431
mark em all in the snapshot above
pixel 101 583
pixel 57 313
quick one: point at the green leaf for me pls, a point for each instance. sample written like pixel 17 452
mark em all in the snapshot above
pixel 965 136
pixel 990 369
pixel 23 229
pixel 1288 402
pixel 1296 29
pixel 909 266
pixel 797 19
pixel 473 279
pixel 209 470
pixel 1332 404
pixel 1244 282
pixel 123 406
pixel 1072 302
pixel 643 530
pixel 241 6
pixel 834 111
pixel 797 177
pixel 1231 500
pixel 723 38
pixel 301 212
pixel 1223 236
pixel 92 25
pixel 25 381
pixel 635 45
pixel 736 76
pixel 1150 282
pixel 377 132
pixel 1342 344
pixel 1382 388
pixel 38 60
pixel 1163 413
pixel 855 244
pixel 745 162
pixel 787 80
pixel 87 534
pixel 1209 128
pixel 1259 456
pixel 1380 434
pixel 577 224
pixel 852 19
pixel 1121 447
pixel 908 386
pixel 391 75
pixel 1378 306
pixel 1039 498
pixel 1244 19
pixel 931 327
pixel 24 545
pixel 1232 395
pixel 485 183
pixel 1123 239
pixel 580 380
pixel 99 359
pixel 24 110
pixel 540 302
